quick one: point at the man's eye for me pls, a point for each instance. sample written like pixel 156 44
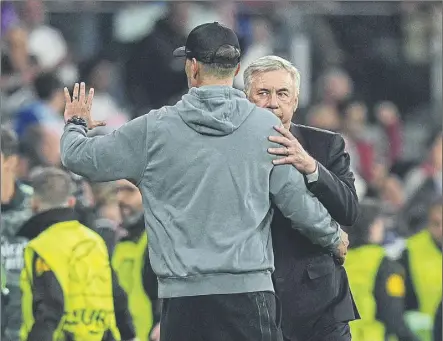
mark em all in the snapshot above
pixel 283 94
pixel 263 93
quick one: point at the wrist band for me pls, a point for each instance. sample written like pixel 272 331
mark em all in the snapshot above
pixel 77 121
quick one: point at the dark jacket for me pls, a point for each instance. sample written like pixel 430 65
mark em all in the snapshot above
pixel 313 290
pixel 48 305
pixel 415 212
pixel 391 307
pixel 13 215
pixel 411 299
pixel 390 277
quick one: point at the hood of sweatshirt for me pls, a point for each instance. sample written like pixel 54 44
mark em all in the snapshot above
pixel 214 110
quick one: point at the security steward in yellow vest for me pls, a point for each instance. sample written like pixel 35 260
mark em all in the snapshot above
pixel 131 262
pixel 68 290
pixel 377 282
pixel 422 260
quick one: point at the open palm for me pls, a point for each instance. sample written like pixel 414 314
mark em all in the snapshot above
pixel 80 105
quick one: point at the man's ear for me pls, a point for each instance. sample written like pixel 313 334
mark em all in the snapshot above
pixel 296 104
pixel 194 68
pixel 238 70
pixel 72 201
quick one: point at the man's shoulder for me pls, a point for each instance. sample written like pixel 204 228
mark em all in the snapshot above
pixel 309 130
pixel 264 117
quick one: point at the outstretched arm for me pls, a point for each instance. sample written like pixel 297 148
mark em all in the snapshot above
pixel 121 154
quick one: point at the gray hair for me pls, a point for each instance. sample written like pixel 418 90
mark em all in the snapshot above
pixel 268 64
pixel 53 187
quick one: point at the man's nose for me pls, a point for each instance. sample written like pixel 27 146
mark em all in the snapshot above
pixel 273 103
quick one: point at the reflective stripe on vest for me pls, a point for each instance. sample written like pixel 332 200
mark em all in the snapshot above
pixel 362 265
pixel 128 262
pixel 79 259
pixel 425 263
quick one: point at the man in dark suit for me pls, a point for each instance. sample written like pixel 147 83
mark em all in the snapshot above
pixel 312 286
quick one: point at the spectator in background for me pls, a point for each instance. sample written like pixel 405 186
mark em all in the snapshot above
pixel 373 145
pixel 58 274
pixel 47 110
pixel 19 69
pixel 430 169
pixel 377 282
pixel 422 260
pixel 391 142
pixel 386 187
pixel 107 212
pixel 99 74
pixel 46 43
pixel 324 116
pixel 335 87
pixel 424 183
pixel 355 129
pixel 15 209
pixel 261 45
pixel 19 66
pixel 162 80
pixel 131 257
pixel 38 148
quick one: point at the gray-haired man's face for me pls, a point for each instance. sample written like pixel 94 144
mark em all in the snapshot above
pixel 130 202
pixel 275 90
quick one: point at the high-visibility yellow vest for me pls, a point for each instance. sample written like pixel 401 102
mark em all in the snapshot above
pixel 79 259
pixel 128 262
pixel 362 265
pixel 425 263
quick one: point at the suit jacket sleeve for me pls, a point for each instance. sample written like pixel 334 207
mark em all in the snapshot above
pixel 307 215
pixel 47 300
pixel 335 185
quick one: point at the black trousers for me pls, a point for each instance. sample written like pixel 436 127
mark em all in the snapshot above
pixel 338 331
pixel 233 317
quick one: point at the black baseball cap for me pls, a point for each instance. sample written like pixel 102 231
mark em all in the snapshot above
pixel 205 40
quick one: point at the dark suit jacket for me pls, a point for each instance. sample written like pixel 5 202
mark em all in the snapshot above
pixel 313 290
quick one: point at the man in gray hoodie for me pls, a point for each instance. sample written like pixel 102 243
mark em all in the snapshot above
pixel 207 183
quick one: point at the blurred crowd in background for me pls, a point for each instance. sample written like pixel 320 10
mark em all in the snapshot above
pixel 371 71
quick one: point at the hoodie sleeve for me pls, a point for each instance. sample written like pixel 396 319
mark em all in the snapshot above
pixel 289 193
pixel 121 154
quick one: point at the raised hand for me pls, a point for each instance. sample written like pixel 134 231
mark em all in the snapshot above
pixel 80 105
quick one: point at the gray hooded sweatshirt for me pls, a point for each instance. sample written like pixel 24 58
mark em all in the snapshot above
pixel 207 183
